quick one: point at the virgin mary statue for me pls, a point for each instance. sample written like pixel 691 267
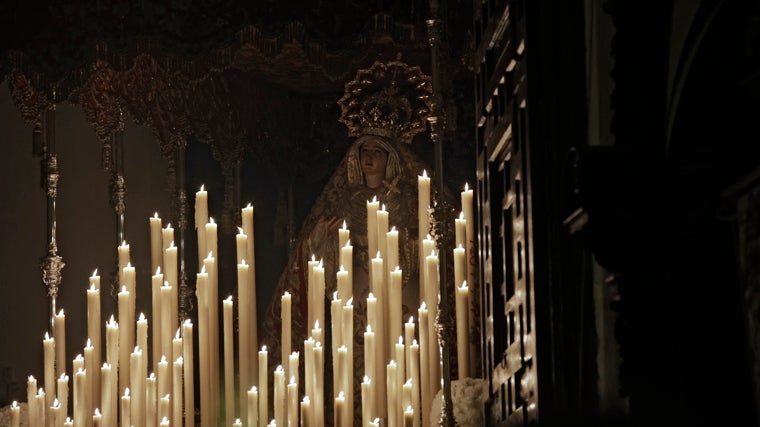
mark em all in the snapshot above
pixel 384 107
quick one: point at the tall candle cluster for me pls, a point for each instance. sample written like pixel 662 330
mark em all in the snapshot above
pixel 402 371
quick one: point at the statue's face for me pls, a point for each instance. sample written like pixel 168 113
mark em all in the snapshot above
pixel 373 158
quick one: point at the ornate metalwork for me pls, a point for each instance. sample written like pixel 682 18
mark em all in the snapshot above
pixel 51 265
pixel 51 177
pixel 118 191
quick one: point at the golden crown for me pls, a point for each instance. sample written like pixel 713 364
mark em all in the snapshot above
pixel 390 99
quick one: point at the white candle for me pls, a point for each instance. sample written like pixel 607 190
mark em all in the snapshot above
pixel 292 402
pixel 94 321
pixel 212 300
pixel 80 398
pixel 237 423
pixel 166 334
pixel 55 414
pixel 434 352
pixel 126 408
pixel 367 401
pixel 370 367
pixel 176 413
pixel 108 395
pixel 309 371
pixel 63 395
pixel 164 409
pixel 372 208
pixel 188 367
pixel 460 230
pixel 165 421
pixel 343 235
pixel 382 232
pixel 39 406
pixel 97 418
pixel 400 358
pixel 319 297
pixel 137 384
pixel 203 347
pixel 286 337
pixel 424 367
pixel 345 290
pixel 229 364
pixel 151 402
pixel 129 280
pixel 462 327
pixel 59 334
pixel 170 277
pixel 336 341
pixel 31 391
pixel 263 387
pixel 408 416
pixel 306 412
pixel 48 346
pixel 157 281
pixel 124 341
pixel 391 257
pixel 472 273
pixel 90 368
pixel 15 414
pixel 253 334
pixel 311 286
pixel 253 407
pixel 340 410
pixel 201 218
pixel 279 396
pixel 423 216
pixel 293 365
pixel 167 238
pixel 156 250
pixel 244 316
pixel 348 340
pixel 163 379
pixel 319 398
pixel 392 394
pixel 123 252
pixel 396 319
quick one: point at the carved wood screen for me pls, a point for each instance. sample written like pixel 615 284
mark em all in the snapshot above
pixel 504 213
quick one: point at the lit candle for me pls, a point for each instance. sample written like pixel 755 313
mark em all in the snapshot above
pixel 372 208
pixel 237 423
pixel 229 364
pixel 164 380
pixel 94 321
pixel 97 418
pixel 292 402
pixel 176 413
pixel 311 284
pixel 279 396
pixel 422 315
pixel 108 395
pixel 201 218
pixel 293 365
pixel 142 334
pixel 406 394
pixel 375 423
pixel 461 230
pixel 336 341
pixel 400 358
pixel 423 216
pixel 253 334
pixel 48 346
pixel 253 407
pixel 15 414
pixel 382 232
pixel 164 410
pixel 170 277
pixel 244 321
pixel 31 391
pixel 367 401
pixel 263 387
pixel 68 423
pixel 392 394
pixel 309 371
pixel 370 367
pixel 212 300
pixel 394 307
pixel 113 355
pixel 343 235
pixel 55 414
pixel 78 362
pixel 63 395
pixel 167 238
pixel 203 347
pixel 166 335
pixel 472 273
pixel 124 347
pixel 90 368
pixel 408 416
pixel 391 257
pixel 434 352
pixel 157 281
pixel 286 337
pixel 156 250
pixel 187 359
pixel 123 252
pixel 137 384
pixel 80 397
pixel 126 408
pixel 319 398
pixel 463 327
pixel 340 409
pixel 414 374
pixel 319 297
pixel 151 402
pixel 165 421
pixel 39 406
pixel 347 263
pixel 306 412
pixel 59 334
pixel 348 340
pixel 341 384
pixel 129 280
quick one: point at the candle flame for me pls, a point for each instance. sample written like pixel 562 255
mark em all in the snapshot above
pixel 95 273
pixel 14 404
pixel 249 206
pixel 177 335
pixel 411 319
pixel 142 317
pixel 374 199
pixel 211 220
pixel 397 270
pixel 126 392
pixel 203 270
pixel 378 255
pixel 124 243
pixel 92 287
pixel 306 399
pixel 344 224
pixel 335 294
pixel 129 265
pixel 210 255
pixel 254 389
pixel 60 313
pixel 228 300
pixel 155 214
pixel 423 306
pixel 202 187
pixel 242 262
pixel 188 322
pixel 350 302
pixel 424 173
pixel 89 343
pixel 383 208
pixel 41 392
pixel 264 348
pixel 47 336
pixel 279 369
pixel 316 324
pixel 461 215
pixel 369 329
pixel 292 380
pixel 393 229
pixel 31 378
pixel 169 226
pixel 124 289
pixel 163 359
pixel 348 243
pixel 152 376
pixel 464 286
pixel 401 340
pixel 111 320
pixel 179 360
pixel 366 380
pixel 97 411
pixel 241 231
pixel 466 187
pixel 137 350
pixel 371 296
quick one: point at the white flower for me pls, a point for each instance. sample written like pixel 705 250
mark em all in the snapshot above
pixel 468 396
